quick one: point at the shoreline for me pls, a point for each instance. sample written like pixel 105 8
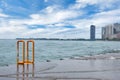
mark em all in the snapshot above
pixel 106 56
pixel 98 56
pixel 68 69
pixel 90 67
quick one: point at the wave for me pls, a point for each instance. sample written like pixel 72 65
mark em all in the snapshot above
pixel 111 51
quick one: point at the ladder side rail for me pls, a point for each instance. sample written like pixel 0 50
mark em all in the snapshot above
pixel 30 41
pixel 23 51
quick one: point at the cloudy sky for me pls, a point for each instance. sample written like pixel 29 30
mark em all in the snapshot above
pixel 56 18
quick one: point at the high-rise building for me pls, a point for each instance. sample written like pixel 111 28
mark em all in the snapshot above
pixel 92 32
pixel 111 31
pixel 116 28
pixel 107 32
pixel 103 32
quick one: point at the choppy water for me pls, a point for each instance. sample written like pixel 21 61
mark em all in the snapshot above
pixel 53 50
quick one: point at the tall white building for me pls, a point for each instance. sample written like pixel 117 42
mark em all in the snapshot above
pixel 107 32
pixel 111 31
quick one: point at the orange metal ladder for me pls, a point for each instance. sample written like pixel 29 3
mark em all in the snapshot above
pixel 25 56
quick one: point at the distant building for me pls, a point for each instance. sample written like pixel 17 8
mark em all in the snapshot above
pixel 116 28
pixel 103 32
pixel 107 32
pixel 111 31
pixel 92 32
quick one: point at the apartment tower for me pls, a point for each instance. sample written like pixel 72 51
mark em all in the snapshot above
pixel 92 32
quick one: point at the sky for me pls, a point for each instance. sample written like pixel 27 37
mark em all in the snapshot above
pixel 56 18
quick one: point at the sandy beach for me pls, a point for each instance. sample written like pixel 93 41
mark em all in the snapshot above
pixel 69 69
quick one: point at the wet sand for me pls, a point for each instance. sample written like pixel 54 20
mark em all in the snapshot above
pixel 72 69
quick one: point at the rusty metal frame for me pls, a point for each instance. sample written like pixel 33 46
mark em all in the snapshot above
pixel 27 53
pixel 23 52
pixel 25 56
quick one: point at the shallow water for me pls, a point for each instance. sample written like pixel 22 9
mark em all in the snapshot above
pixel 53 50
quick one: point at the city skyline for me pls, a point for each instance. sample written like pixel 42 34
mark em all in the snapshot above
pixel 55 18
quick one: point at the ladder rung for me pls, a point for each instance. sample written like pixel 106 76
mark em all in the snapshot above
pixel 20 62
pixel 28 62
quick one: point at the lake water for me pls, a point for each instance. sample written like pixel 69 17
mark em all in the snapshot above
pixel 54 50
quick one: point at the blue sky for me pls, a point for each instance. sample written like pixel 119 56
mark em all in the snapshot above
pixel 56 18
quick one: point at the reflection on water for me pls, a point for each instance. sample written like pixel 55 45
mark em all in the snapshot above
pixel 25 72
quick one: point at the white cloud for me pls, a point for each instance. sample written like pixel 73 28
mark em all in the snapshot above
pixel 45 0
pixel 101 4
pixel 60 24
pixel 107 17
pixel 99 19
pixel 83 3
pixel 34 31
pixel 3 15
pixel 48 17
pixel 51 9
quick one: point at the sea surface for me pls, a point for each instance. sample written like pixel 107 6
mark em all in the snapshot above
pixel 55 50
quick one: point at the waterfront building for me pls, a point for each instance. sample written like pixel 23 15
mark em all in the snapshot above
pixel 92 32
pixel 107 32
pixel 111 31
pixel 103 32
pixel 116 28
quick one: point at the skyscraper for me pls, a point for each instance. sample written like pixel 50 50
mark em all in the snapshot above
pixel 107 32
pixel 111 31
pixel 92 32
